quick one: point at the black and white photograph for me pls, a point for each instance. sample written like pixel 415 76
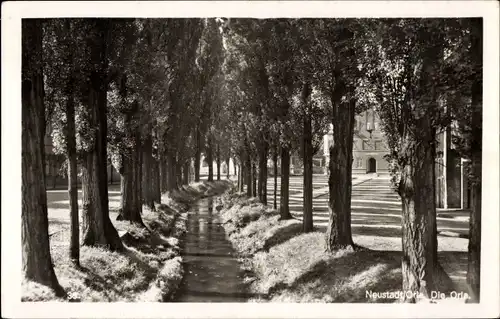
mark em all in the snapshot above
pixel 230 160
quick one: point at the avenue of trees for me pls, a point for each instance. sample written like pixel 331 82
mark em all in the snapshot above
pixel 154 95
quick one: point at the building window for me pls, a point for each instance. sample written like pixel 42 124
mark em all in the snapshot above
pixel 359 162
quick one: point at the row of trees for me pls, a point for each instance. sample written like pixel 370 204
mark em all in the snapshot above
pixel 140 93
pixel 289 78
pixel 153 95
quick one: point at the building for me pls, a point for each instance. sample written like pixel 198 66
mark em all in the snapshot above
pixel 369 146
pixel 369 149
pixel 452 186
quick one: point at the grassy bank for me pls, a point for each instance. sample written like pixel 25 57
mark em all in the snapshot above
pixel 286 265
pixel 150 268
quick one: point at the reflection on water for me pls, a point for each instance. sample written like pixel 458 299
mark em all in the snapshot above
pixel 212 272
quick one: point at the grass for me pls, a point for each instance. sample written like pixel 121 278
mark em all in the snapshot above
pixel 150 268
pixel 285 265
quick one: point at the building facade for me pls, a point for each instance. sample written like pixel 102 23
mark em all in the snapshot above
pixel 369 146
pixel 369 149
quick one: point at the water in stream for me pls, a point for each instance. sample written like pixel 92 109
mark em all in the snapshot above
pixel 212 272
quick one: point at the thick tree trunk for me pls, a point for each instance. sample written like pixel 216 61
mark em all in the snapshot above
pixel 421 270
pixel 36 258
pixel 218 162
pixel 262 189
pixel 210 159
pixel 285 182
pixel 275 167
pixel 98 229
pixel 148 184
pixel 418 224
pixel 234 167
pixel 338 233
pixel 307 154
pixel 131 193
pixel 474 249
pixel 197 156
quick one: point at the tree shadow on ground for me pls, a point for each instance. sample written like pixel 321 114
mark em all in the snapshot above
pixel 354 276
pixel 282 234
pixel 346 278
pixel 97 282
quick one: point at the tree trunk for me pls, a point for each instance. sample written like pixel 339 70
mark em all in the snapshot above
pixel 307 154
pixel 74 247
pixel 185 171
pixel 248 178
pixel 234 167
pixel 307 221
pixel 148 191
pixel 262 189
pixel 474 249
pixel 36 258
pixel 210 159
pixel 98 229
pixel 338 233
pixel 171 173
pixel 54 175
pixel 285 182
pixel 163 173
pixel 275 163
pixel 197 156
pixel 241 178
pixel 131 199
pixel 156 181
pixel 254 180
pixel 178 174
pixel 227 165
pixel 421 270
pixel 218 161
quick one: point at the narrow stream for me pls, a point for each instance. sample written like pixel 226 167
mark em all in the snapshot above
pixel 212 272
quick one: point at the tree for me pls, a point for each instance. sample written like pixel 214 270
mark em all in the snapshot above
pixel 465 59
pixel 61 74
pixel 98 229
pixel 411 83
pixel 338 55
pixel 474 249
pixel 36 258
